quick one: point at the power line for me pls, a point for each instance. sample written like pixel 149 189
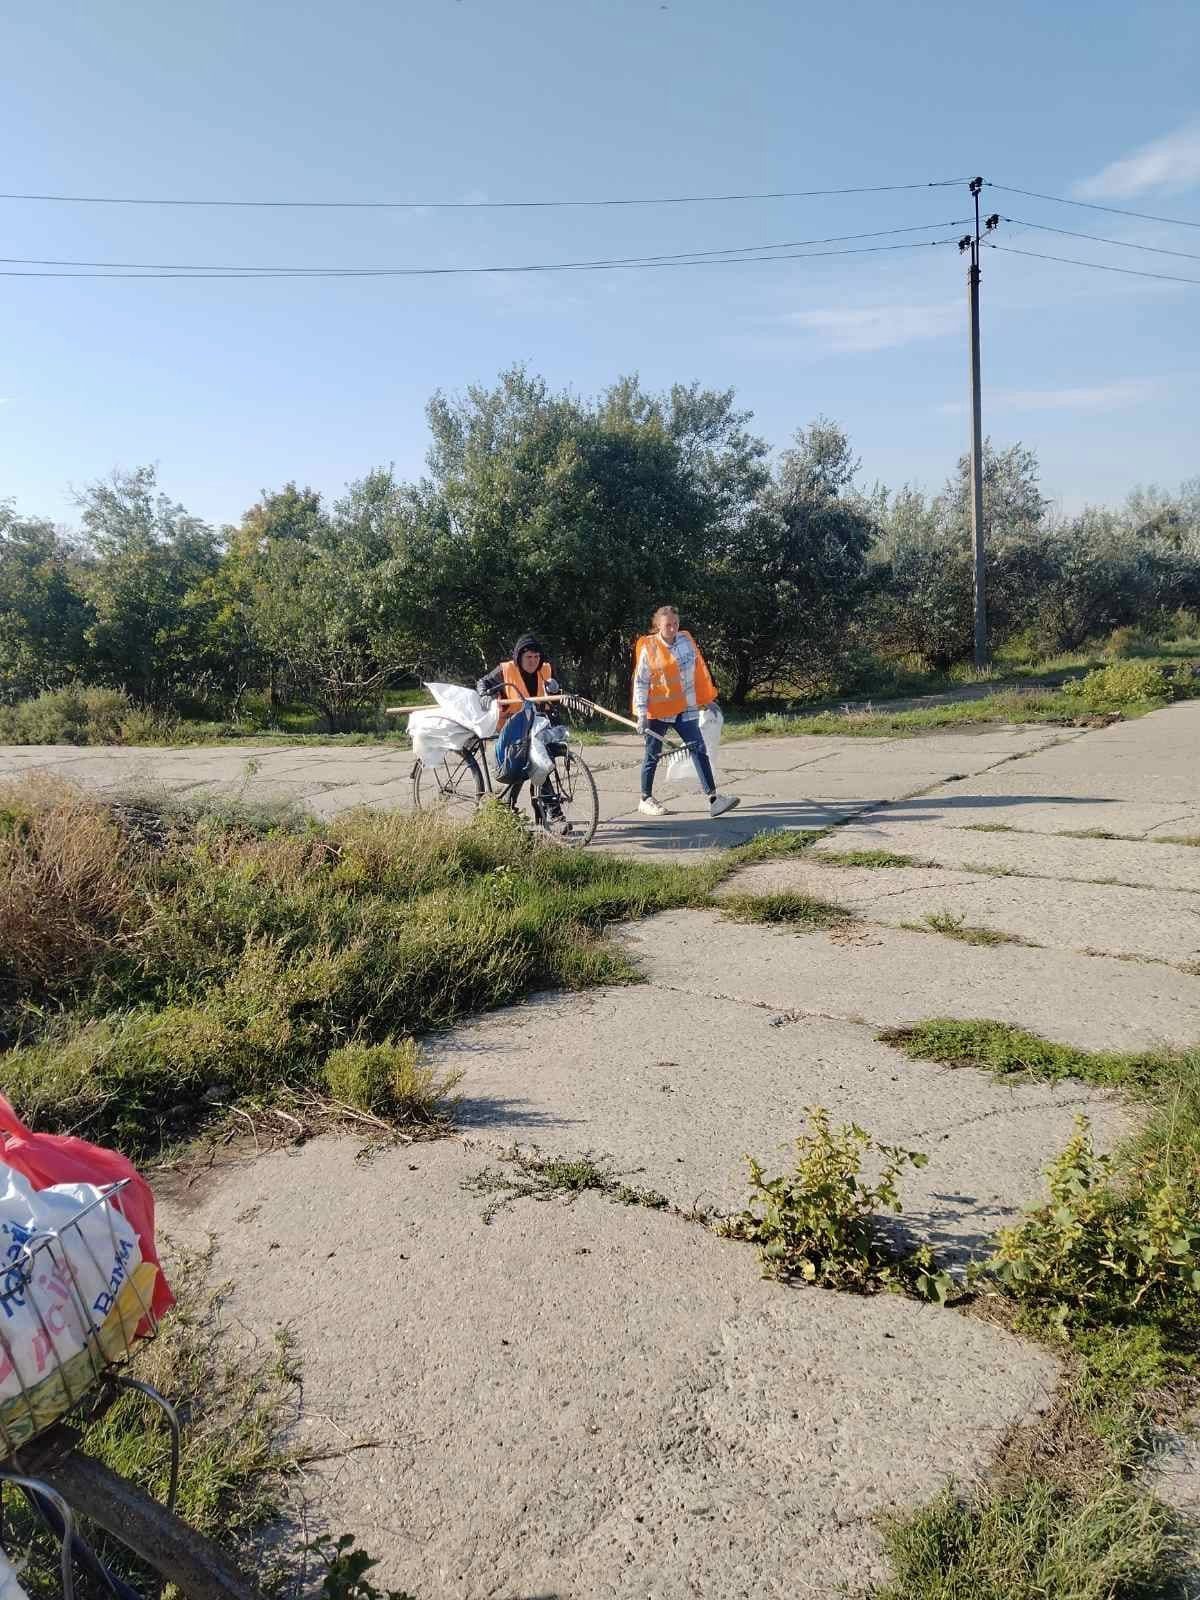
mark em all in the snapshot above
pixel 1072 261
pixel 478 205
pixel 438 272
pixel 748 251
pixel 1096 238
pixel 1090 205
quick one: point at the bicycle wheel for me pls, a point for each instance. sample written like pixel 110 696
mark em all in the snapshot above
pixel 453 788
pixel 575 790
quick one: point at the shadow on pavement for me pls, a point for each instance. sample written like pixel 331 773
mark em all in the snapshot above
pixel 698 832
pixel 692 831
pixel 489 1111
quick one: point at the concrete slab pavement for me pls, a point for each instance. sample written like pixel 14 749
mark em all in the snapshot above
pixel 888 977
pixel 680 1091
pixel 1092 918
pixel 593 1400
pixel 1145 864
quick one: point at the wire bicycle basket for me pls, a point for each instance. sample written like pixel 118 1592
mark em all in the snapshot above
pixel 88 1317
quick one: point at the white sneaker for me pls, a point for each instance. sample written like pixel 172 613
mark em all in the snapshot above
pixel 649 807
pixel 719 804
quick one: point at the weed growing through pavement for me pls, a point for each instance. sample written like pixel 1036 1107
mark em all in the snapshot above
pixel 820 1223
pixel 868 858
pixel 532 1176
pixel 1106 1271
pixel 791 906
pixel 953 926
pixel 153 968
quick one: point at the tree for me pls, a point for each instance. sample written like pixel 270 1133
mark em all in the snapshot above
pixel 789 573
pixel 43 614
pixel 1171 521
pixel 1013 502
pixel 225 601
pixel 148 554
pixel 570 517
pixel 923 582
pixel 331 602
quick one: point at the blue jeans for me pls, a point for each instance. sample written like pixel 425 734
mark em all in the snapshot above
pixel 687 726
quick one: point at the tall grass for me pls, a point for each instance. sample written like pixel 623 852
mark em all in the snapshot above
pixel 146 981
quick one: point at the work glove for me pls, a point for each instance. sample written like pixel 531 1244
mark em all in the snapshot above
pixel 642 722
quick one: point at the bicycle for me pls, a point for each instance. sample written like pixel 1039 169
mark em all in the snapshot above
pixel 40 1437
pixel 457 785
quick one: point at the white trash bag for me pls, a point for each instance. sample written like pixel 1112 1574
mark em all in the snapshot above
pixel 434 735
pixel 540 760
pixel 465 706
pixel 461 717
pixel 681 769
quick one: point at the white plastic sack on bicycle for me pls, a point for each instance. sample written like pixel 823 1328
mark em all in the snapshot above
pixel 467 708
pixel 435 735
pixel 540 760
pixel 681 769
pixel 67 1307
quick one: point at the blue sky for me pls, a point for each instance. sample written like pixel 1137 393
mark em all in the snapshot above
pixel 232 386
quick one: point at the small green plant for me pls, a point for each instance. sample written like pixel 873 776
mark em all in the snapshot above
pixel 868 858
pixel 792 906
pixel 954 926
pixel 820 1223
pixel 346 1571
pixel 533 1176
pixel 390 1080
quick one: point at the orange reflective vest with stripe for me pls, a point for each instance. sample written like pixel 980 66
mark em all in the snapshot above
pixel 667 696
pixel 514 686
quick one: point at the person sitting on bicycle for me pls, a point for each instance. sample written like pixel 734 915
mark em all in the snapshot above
pixel 527 675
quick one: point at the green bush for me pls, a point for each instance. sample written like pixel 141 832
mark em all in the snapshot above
pixel 388 1080
pixel 820 1223
pixel 1124 683
pixel 74 715
pixel 1116 1236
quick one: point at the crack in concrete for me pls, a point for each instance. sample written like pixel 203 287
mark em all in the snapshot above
pixel 792 1014
pixel 997 1111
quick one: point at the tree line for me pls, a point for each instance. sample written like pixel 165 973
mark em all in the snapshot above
pixel 575 518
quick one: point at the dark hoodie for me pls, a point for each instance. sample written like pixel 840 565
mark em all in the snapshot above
pixel 493 682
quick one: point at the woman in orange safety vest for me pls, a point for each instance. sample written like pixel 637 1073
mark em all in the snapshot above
pixel 671 683
pixel 525 676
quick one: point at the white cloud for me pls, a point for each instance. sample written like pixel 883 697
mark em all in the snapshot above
pixel 880 327
pixel 1171 163
pixel 1114 396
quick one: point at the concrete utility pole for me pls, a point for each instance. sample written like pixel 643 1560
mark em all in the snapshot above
pixel 971 242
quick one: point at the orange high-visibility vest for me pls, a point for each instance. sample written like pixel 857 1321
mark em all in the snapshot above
pixel 514 686
pixel 667 698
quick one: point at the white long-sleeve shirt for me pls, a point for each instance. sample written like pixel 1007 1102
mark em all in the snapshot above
pixel 684 652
